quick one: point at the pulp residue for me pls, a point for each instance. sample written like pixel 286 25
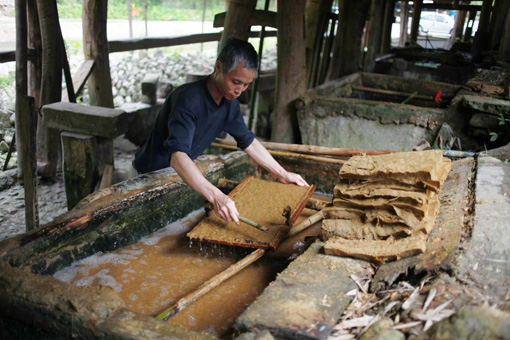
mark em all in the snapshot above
pixel 160 269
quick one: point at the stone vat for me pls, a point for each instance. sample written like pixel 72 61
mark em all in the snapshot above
pixel 37 306
pixel 366 111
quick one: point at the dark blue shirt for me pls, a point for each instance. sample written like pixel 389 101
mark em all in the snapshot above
pixel 189 121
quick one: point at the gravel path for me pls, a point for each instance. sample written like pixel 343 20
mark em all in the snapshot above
pixel 51 193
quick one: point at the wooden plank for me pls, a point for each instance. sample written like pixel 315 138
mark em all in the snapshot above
pixel 80 78
pixel 106 180
pixel 446 235
pixel 307 298
pixel 90 120
pixel 260 201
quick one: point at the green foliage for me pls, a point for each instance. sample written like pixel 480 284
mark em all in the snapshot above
pixel 494 136
pixel 6 80
pixel 502 122
pixel 166 10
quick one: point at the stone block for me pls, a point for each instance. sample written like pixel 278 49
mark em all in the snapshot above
pixel 149 88
pixel 307 298
pixel 90 120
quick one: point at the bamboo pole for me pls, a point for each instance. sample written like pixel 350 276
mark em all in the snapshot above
pixel 313 149
pixel 216 280
pixel 390 92
pixel 306 223
pixel 286 154
pixel 210 284
pixel 253 224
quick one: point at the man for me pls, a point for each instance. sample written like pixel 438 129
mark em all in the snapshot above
pixel 194 114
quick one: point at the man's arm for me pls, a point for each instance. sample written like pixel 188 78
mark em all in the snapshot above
pixel 188 171
pixel 262 157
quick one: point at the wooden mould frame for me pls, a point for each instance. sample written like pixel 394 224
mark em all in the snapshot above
pixel 213 229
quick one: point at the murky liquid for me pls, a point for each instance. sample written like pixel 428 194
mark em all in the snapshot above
pixel 160 269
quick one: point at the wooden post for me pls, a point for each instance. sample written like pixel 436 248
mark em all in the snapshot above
pixel 21 74
pixel 34 63
pixel 347 45
pixel 482 40
pixel 458 28
pixel 27 135
pixel 95 45
pixel 316 26
pixel 389 10
pixel 51 85
pixel 404 18
pixel 84 158
pixel 415 23
pixel 237 21
pixel 290 74
pixel 374 30
pixel 504 46
pixel 499 27
pixel 485 15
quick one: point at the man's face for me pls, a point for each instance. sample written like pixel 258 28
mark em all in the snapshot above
pixel 232 84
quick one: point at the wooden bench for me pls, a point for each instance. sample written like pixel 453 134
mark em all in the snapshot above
pixel 87 134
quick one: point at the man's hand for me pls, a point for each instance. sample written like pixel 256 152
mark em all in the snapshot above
pixel 188 171
pixel 290 177
pixel 262 157
pixel 225 208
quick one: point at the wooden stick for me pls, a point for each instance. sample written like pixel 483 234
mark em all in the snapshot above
pixel 216 280
pixel 253 224
pixel 313 149
pixel 306 223
pixel 286 154
pixel 210 284
pixel 390 92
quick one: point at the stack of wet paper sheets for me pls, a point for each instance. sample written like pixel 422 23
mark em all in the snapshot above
pixel 385 206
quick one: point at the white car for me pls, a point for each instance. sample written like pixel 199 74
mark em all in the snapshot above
pixel 436 23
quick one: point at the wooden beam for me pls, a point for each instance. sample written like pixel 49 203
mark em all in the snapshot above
pixel 80 78
pixel 258 18
pixel 145 43
pixel 452 6
pixel 8 56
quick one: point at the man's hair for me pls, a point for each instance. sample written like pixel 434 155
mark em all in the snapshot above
pixel 236 51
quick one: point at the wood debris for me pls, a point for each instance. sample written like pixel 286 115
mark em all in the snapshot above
pixel 384 207
pixel 405 308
